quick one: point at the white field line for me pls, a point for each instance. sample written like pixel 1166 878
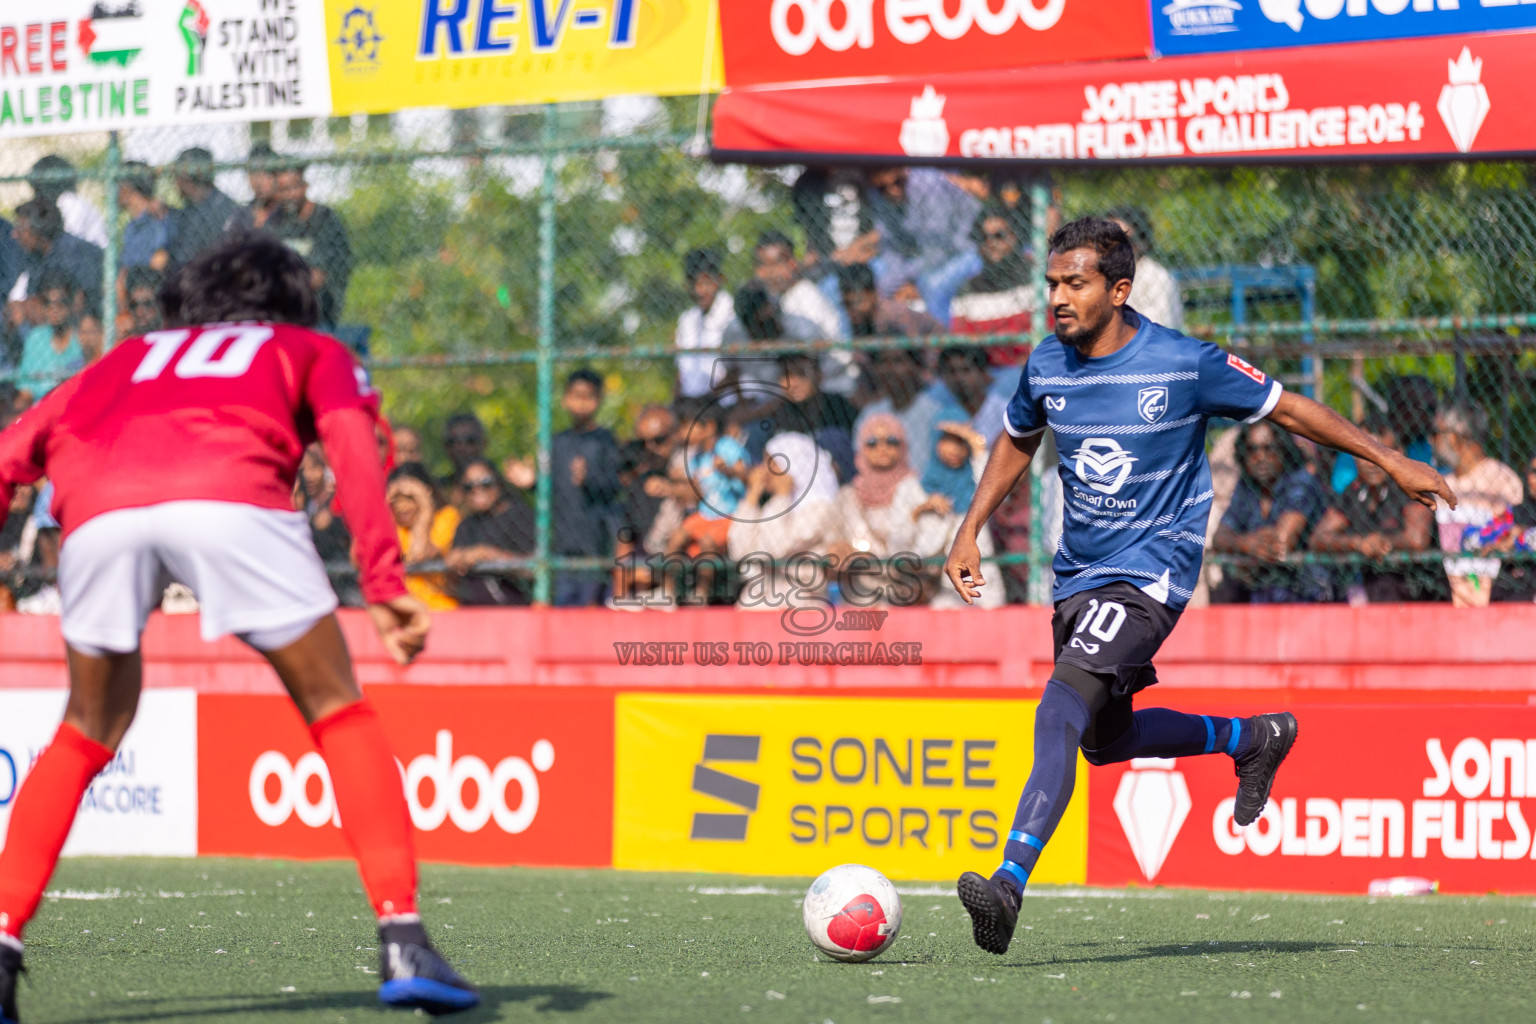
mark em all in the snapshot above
pixel 938 890
pixel 119 894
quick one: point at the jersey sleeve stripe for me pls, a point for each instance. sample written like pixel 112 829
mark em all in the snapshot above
pixel 1269 403
pixel 1015 431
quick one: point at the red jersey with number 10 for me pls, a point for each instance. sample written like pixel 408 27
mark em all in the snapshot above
pixel 221 412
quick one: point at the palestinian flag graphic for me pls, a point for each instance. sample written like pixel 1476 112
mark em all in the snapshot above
pixel 113 33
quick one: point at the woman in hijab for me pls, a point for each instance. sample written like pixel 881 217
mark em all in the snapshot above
pixel 880 508
pixel 787 514
pixel 959 456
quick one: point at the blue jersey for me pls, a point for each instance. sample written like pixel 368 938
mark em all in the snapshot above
pixel 1130 436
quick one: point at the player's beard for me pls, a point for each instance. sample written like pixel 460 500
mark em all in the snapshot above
pixel 1082 336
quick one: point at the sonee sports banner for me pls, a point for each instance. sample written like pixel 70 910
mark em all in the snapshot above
pixel 1445 97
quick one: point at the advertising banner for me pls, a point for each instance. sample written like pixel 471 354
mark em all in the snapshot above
pixel 800 40
pixel 920 789
pixel 1425 97
pixel 392 54
pixel 144 803
pixel 92 65
pixel 1220 26
pixel 1447 794
pixel 492 776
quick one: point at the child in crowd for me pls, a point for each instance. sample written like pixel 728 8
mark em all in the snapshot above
pixel 717 466
pixel 584 491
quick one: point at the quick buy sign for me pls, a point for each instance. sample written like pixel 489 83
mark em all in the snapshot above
pixel 1212 26
pixel 1446 793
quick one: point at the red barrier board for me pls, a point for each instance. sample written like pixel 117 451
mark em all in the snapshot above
pixel 798 40
pixel 492 776
pixel 1447 96
pixel 1447 794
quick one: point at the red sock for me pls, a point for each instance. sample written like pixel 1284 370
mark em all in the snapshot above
pixel 40 822
pixel 374 816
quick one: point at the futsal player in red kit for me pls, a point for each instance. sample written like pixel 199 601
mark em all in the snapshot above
pixel 173 459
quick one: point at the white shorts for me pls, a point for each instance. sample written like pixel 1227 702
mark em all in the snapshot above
pixel 254 571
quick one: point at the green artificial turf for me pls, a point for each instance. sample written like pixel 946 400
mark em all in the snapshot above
pixel 235 941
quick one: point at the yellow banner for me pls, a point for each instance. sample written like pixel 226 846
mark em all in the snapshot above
pixel 388 55
pixel 919 789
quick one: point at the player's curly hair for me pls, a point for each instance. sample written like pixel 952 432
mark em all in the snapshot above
pixel 1117 260
pixel 249 276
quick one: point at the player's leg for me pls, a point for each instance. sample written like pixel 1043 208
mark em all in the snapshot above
pixel 317 671
pixel 104 694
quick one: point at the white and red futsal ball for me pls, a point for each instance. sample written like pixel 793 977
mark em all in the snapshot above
pixel 852 913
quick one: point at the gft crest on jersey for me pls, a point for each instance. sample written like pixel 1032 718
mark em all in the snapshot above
pixel 1152 403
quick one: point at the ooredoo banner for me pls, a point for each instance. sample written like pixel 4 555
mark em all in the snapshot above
pixel 1448 97
pixel 93 65
pixel 392 54
pixel 1216 26
pixel 144 803
pixel 492 776
pixel 1443 793
pixel 799 40
pixel 790 786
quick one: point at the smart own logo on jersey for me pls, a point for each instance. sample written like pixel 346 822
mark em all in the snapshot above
pixel 1103 465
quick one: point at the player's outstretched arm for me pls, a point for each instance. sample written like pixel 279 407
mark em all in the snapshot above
pixel 1008 462
pixel 1317 422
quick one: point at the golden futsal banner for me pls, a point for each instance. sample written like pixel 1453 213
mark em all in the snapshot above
pixel 920 789
pixel 388 55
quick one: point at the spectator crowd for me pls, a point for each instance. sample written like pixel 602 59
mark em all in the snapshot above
pixel 774 480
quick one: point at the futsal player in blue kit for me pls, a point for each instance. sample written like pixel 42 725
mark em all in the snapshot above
pixel 1127 401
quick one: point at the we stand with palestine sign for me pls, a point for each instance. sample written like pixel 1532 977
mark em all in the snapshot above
pixel 92 65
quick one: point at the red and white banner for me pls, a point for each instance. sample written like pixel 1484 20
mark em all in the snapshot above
pixel 1447 794
pixel 1445 96
pixel 492 776
pixel 799 40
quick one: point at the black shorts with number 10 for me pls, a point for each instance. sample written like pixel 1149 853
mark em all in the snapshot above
pixel 1112 632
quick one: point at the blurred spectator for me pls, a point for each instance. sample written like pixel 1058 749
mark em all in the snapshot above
pixel 147 235
pixel 1485 488
pixel 464 442
pixel 950 473
pixel 879 512
pixel 1003 297
pixel 870 316
pixel 1409 404
pixel 923 221
pixel 333 543
pixel 18 537
pixel 13 262
pixel 426 530
pixel 807 408
pixel 206 213
pixel 898 378
pixel 53 180
pixel 1517 581
pixel 584 467
pixel 1273 511
pixel 717 466
pixel 263 182
pixel 498 525
pixel 143 307
pixel 969 391
pixel 49 250
pixel 702 325
pixel 959 457
pixel 39 596
pixel 316 233
pixel 652 508
pixel 1155 292
pixel 407 445
pixel 52 349
pixel 1374 519
pixel 788 515
pixel 800 300
pixel 91 337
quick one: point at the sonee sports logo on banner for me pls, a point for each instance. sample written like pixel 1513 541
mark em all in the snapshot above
pixel 303 789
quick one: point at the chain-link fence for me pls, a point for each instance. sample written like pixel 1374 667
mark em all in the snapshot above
pixel 477 259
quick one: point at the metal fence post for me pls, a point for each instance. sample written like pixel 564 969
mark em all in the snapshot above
pixel 114 242
pixel 1039 544
pixel 546 354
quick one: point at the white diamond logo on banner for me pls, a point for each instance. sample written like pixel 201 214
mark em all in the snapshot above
pixel 1152 803
pixel 1464 100
pixel 924 133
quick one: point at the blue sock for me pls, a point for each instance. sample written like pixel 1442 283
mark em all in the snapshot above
pixel 1159 732
pixel 1059 724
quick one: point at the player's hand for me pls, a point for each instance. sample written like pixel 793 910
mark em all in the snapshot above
pixel 403 623
pixel 963 567
pixel 1420 482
